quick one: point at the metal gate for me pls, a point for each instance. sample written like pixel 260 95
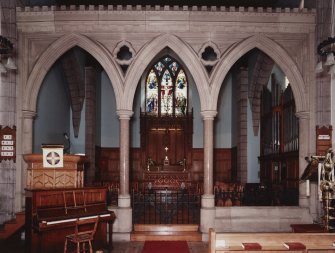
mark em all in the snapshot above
pixel 166 207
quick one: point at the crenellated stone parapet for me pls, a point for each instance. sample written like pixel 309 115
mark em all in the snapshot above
pixel 100 18
pixel 222 9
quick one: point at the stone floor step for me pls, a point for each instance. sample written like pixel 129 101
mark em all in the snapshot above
pixel 166 227
pixel 166 236
pixel 167 232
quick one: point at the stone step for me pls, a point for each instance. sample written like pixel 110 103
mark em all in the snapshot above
pixel 166 232
pixel 166 227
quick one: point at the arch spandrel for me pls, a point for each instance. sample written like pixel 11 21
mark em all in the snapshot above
pixel 56 50
pixel 273 50
pixel 150 51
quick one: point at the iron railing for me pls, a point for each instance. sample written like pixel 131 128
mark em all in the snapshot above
pixel 166 207
pixel 256 195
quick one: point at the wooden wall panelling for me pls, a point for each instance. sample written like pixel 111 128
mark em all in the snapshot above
pixel 292 165
pixel 197 170
pixel 266 175
pixel 157 133
pixel 108 163
pixel 223 165
pixel 323 139
pixel 233 164
pixel 135 164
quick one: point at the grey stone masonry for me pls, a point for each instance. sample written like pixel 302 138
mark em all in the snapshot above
pixel 242 80
pixel 323 80
pixel 90 116
pixel 7 190
pixel 8 111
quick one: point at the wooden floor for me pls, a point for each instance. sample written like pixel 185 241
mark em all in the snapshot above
pixel 17 246
pixel 136 247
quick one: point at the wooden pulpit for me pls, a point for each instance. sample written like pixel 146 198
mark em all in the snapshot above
pixel 71 174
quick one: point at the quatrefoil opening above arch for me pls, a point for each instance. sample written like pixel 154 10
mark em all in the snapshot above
pixel 124 53
pixel 209 54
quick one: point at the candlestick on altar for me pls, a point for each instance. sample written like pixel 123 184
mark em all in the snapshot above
pixel 166 159
pixel 307 188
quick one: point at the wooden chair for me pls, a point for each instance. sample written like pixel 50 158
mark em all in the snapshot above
pixel 74 200
pixel 84 234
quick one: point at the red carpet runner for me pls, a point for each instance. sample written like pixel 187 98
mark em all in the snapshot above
pixel 165 247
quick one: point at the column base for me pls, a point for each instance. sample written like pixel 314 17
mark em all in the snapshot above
pixel 207 214
pixel 124 201
pixel 122 226
pixel 207 221
pixel 207 201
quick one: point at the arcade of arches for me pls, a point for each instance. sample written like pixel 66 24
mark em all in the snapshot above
pixel 198 98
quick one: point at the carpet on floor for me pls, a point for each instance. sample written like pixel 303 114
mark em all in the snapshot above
pixel 165 247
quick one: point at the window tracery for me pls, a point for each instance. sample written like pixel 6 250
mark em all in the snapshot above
pixel 166 89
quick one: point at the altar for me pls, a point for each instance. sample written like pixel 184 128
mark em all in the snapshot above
pixel 171 177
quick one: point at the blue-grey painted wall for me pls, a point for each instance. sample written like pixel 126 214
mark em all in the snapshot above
pixel 78 143
pixel 109 127
pixel 53 111
pixel 223 121
pixel 253 150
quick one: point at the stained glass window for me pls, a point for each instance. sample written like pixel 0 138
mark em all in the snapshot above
pixel 166 88
pixel 152 93
pixel 181 93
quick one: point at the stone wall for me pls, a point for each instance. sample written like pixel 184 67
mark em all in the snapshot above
pixel 7 111
pixel 259 219
pixel 323 31
pixel 7 190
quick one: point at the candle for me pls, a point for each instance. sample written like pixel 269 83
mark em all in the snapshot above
pixel 307 188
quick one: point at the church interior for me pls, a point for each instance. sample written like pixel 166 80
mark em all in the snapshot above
pixel 180 121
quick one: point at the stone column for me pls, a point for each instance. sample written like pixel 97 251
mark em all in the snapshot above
pixel 303 152
pixel 207 215
pixel 124 197
pixel 26 148
pixel 123 224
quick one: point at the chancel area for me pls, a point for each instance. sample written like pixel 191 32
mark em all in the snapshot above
pixel 178 121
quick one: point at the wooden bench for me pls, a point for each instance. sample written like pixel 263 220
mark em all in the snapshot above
pixel 270 242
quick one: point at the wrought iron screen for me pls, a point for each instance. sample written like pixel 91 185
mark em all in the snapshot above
pixel 166 207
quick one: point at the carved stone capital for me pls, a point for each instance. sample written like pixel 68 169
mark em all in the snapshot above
pixel 124 114
pixel 303 115
pixel 208 114
pixel 28 114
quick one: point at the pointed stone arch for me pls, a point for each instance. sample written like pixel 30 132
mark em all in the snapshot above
pixel 273 50
pixel 150 51
pixel 57 49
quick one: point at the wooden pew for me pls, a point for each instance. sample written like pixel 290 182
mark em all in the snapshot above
pixel 270 242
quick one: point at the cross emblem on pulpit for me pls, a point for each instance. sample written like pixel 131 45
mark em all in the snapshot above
pixel 53 158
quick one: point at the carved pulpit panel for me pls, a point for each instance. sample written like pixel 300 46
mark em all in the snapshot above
pixel 71 174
